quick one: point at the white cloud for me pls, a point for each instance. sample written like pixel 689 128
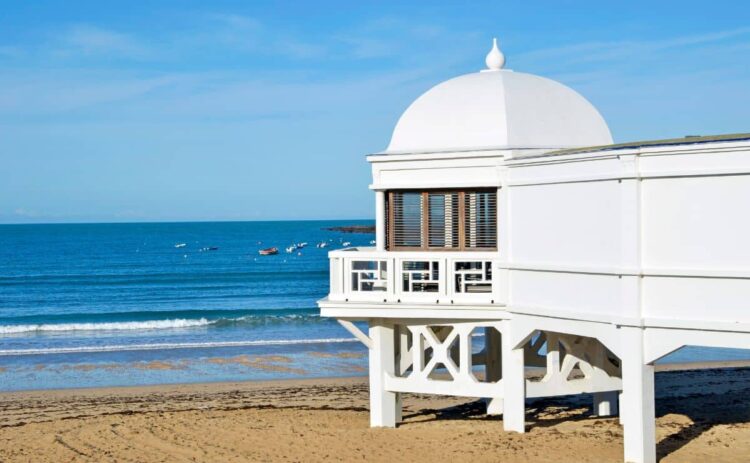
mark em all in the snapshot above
pixel 622 52
pixel 25 213
pixel 7 51
pixel 92 40
pixel 25 93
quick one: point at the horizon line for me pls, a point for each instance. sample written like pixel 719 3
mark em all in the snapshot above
pixel 178 221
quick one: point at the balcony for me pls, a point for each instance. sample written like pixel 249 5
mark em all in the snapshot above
pixel 423 277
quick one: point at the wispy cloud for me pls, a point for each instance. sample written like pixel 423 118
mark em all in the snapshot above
pixel 24 213
pixel 7 51
pixel 250 35
pixel 84 39
pixel 24 94
pixel 390 36
pixel 623 51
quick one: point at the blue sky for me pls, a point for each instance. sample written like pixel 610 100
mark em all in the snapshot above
pixel 193 110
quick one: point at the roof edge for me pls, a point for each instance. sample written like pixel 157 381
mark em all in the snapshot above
pixel 687 140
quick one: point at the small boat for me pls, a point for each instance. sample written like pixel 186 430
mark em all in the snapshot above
pixel 291 249
pixel 372 242
pixel 209 248
pixel 268 251
pixel 346 244
pixel 322 244
pixel 301 245
pixel 180 245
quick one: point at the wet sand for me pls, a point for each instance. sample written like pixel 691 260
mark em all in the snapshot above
pixel 702 415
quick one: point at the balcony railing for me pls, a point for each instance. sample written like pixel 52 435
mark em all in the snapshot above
pixel 433 277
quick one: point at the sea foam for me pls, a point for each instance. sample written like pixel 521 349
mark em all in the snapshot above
pixel 164 346
pixel 105 326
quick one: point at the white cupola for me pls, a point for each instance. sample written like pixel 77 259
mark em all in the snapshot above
pixel 498 109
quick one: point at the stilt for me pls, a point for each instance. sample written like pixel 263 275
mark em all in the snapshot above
pixel 493 367
pixel 495 405
pixel 399 407
pixel 638 400
pixel 605 403
pixel 514 385
pixel 383 404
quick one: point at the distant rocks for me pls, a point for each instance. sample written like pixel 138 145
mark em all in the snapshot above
pixel 353 229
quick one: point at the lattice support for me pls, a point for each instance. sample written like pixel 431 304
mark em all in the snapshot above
pixel 440 359
pixel 574 365
pixel 421 357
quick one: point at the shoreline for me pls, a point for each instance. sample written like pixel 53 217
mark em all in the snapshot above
pixel 530 373
pixel 327 419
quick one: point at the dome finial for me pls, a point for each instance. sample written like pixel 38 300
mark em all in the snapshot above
pixel 495 59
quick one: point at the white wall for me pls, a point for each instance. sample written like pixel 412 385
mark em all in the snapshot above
pixel 722 300
pixel 568 224
pixel 695 236
pixel 659 232
pixel 566 294
pixel 445 170
pixel 700 223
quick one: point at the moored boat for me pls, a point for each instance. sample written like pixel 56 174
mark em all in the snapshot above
pixel 268 251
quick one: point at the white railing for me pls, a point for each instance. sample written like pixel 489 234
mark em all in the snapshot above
pixel 434 277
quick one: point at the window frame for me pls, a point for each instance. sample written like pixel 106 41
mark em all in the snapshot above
pixel 425 220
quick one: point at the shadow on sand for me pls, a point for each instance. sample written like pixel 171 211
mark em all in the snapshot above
pixel 705 399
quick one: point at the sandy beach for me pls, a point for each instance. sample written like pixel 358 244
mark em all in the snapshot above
pixel 702 415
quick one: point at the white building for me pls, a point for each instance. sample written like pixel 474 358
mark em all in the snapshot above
pixel 494 217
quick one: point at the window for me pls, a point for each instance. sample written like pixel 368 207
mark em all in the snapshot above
pixel 444 220
pixel 407 219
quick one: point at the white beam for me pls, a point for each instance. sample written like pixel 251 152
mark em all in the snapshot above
pixel 352 328
pixel 380 220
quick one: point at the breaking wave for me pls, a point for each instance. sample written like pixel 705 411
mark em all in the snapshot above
pixel 265 317
pixel 162 346
pixel 112 326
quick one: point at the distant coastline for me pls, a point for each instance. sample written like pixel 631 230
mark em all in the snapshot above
pixel 353 229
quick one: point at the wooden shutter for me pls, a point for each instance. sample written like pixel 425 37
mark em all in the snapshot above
pixel 406 213
pixel 443 220
pixel 480 219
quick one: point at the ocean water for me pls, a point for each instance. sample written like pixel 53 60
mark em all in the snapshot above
pixel 119 304
pixel 85 305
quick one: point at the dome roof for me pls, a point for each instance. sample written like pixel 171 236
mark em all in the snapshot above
pixel 498 109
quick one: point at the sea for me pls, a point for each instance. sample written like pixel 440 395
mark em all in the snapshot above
pixel 100 305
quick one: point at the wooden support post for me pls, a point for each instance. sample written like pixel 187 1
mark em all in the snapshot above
pixel 493 367
pixel 514 384
pixel 383 403
pixel 638 400
pixel 605 403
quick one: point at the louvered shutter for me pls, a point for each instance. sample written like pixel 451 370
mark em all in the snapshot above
pixel 407 219
pixel 480 220
pixel 457 220
pixel 443 220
